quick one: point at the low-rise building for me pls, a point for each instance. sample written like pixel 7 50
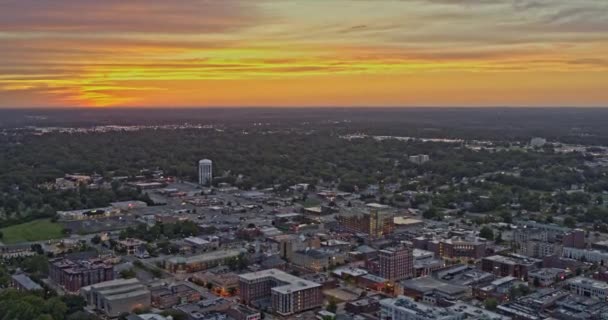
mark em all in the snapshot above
pixel 22 282
pixel 545 277
pixel 404 308
pixel 242 312
pixel 200 262
pixel 130 246
pixel 365 305
pixel 419 158
pixel 456 247
pixel 498 289
pixel 471 312
pixel 463 275
pixel 222 284
pixel 115 297
pixel 585 255
pixel 425 287
pixel 513 265
pixel 168 296
pixel 587 287
pixel 316 260
pixel 202 310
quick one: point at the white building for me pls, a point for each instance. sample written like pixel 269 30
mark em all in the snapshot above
pixel 205 171
pixel 537 142
pixel 405 308
pixel 419 158
pixel 117 296
pixel 585 255
pixel 587 287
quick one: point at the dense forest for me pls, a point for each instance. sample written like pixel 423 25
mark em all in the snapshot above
pixel 259 157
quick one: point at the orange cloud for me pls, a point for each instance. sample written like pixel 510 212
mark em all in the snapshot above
pixel 335 52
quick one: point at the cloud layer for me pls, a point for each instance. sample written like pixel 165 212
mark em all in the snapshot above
pixel 333 52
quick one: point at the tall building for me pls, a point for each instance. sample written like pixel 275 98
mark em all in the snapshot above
pixel 205 171
pixel 396 263
pixel 375 223
pixel 288 294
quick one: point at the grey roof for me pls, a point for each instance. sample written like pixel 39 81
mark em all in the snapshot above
pixel 428 284
pixel 26 282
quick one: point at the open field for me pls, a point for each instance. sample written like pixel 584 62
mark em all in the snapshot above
pixel 36 230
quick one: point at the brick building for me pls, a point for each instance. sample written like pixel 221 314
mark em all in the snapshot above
pixel 167 297
pixel 375 223
pixel 396 263
pixel 288 294
pixel 513 265
pixel 75 274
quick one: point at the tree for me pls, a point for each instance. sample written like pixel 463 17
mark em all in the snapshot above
pixel 498 238
pixel 128 273
pixel 569 222
pixel 486 233
pixel 82 315
pixel 74 303
pixel 37 265
pixel 431 213
pixel 28 305
pixel 506 217
pixel 4 277
pixel 332 306
pixel 491 304
pixel 96 239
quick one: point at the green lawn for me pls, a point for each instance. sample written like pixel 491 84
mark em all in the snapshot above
pixel 35 230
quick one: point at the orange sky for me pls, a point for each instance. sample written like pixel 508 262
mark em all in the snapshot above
pixel 303 53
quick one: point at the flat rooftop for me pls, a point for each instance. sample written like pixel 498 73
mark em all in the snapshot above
pixel 377 206
pixel 429 284
pixel 513 259
pixel 209 256
pixel 291 282
pixel 589 283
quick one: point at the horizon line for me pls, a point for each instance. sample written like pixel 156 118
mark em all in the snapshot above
pixel 308 107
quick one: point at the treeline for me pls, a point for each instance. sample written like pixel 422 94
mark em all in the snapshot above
pixel 254 157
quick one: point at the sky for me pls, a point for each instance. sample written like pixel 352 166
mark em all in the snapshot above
pixel 198 53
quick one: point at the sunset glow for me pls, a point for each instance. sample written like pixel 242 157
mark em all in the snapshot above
pixel 303 53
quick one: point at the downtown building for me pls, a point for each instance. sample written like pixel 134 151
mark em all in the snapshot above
pixel 75 274
pixel 513 265
pixel 405 308
pixel 396 263
pixel 113 298
pixel 375 223
pixel 288 294
pixel 455 247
